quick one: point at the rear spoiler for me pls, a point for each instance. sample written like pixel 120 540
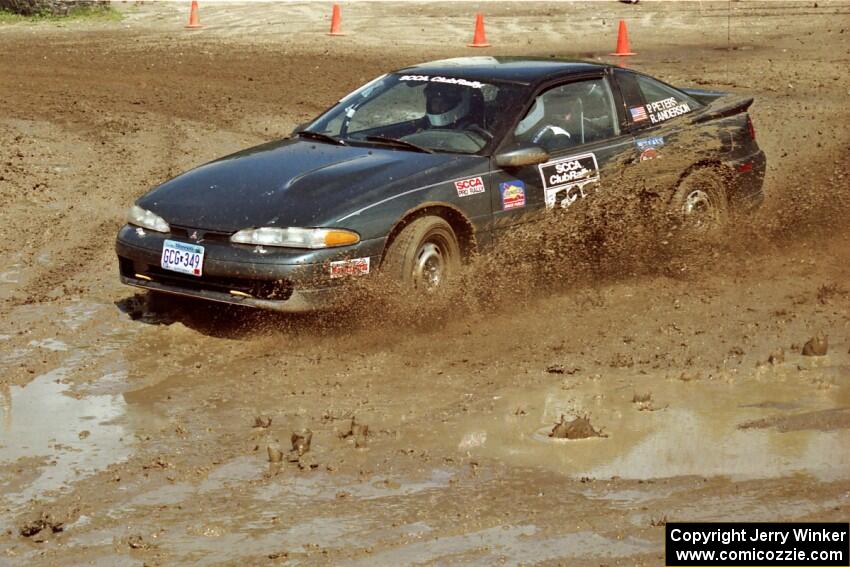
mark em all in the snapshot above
pixel 704 96
pixel 719 105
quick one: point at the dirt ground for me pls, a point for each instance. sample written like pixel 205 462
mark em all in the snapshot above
pixel 141 438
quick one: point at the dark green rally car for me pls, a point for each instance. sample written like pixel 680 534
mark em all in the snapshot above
pixel 411 172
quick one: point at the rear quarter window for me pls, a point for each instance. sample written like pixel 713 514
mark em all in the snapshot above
pixel 650 102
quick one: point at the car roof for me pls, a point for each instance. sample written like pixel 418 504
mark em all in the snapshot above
pixel 526 70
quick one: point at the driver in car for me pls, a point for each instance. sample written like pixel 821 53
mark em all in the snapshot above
pixel 561 127
pixel 450 106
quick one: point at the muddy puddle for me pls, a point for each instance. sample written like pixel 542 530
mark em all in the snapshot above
pixel 69 421
pixel 89 437
pixel 766 425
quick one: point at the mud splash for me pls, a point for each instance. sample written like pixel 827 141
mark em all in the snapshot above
pixel 622 231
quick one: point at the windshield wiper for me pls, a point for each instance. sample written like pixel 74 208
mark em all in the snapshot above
pixel 398 143
pixel 320 137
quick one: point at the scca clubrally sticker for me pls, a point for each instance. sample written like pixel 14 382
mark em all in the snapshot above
pixel 564 179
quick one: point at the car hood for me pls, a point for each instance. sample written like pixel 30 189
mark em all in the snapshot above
pixel 290 183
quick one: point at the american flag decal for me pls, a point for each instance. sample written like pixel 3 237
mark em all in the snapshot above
pixel 638 114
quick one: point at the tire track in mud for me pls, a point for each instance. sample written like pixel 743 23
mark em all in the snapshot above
pixel 55 282
pixel 66 246
pixel 147 153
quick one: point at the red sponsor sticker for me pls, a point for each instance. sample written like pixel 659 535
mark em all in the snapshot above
pixel 471 186
pixel 648 153
pixel 353 267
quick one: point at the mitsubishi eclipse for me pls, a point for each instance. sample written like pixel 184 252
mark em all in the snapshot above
pixel 415 170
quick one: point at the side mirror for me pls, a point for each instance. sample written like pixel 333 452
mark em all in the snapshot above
pixel 526 154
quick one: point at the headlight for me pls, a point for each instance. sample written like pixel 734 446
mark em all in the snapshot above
pixel 296 237
pixel 146 219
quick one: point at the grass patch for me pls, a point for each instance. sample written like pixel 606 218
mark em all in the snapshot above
pixel 84 13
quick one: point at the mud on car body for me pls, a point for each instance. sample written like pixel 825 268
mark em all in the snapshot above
pixel 411 172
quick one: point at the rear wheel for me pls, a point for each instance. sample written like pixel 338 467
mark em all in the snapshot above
pixel 423 256
pixel 699 205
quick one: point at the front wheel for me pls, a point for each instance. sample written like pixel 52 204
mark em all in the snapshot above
pixel 423 256
pixel 699 206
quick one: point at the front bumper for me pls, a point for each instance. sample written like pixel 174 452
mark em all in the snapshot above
pixel 278 279
pixel 299 301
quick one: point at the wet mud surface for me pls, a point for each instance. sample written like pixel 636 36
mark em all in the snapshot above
pixel 715 381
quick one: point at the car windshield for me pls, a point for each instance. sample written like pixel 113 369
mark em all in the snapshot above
pixel 422 113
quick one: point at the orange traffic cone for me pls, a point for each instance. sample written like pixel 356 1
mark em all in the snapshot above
pixel 194 20
pixel 623 41
pixel 336 22
pixel 479 39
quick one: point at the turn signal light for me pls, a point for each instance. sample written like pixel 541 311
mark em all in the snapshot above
pixel 340 238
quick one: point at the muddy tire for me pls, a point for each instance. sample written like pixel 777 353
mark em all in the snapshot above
pixel 423 256
pixel 699 206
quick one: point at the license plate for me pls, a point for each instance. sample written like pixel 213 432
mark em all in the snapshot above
pixel 182 257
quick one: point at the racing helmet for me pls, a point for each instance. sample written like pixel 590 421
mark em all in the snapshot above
pixel 446 104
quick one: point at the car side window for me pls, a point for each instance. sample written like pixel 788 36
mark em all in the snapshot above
pixel 570 115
